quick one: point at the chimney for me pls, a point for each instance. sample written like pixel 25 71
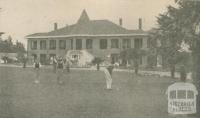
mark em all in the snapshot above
pixel 120 21
pixel 140 24
pixel 55 26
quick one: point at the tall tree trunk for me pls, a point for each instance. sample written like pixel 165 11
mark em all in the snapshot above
pixel 172 70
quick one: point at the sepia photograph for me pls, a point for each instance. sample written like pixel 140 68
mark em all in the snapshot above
pixel 99 58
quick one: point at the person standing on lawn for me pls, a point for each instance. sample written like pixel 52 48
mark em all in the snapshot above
pixel 108 76
pixel 54 63
pixel 37 66
pixel 24 60
pixel 110 69
pixel 60 67
pixel 67 65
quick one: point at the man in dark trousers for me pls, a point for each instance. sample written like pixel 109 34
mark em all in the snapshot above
pixel 37 66
pixel 60 67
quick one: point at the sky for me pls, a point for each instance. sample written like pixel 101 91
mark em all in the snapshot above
pixel 19 18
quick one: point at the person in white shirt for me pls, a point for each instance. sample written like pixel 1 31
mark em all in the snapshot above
pixel 37 66
pixel 108 76
pixel 60 67
pixel 53 62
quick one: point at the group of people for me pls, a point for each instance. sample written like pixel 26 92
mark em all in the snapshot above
pixel 59 64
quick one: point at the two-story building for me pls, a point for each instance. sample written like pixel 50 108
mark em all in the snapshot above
pixel 101 38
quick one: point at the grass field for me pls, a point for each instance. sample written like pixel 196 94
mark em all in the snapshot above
pixel 82 96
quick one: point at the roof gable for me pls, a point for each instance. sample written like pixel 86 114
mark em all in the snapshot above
pixel 83 18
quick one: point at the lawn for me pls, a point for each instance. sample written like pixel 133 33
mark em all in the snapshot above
pixel 81 96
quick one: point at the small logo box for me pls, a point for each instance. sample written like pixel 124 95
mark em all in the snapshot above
pixel 182 98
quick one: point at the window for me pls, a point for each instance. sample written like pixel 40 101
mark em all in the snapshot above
pixel 89 44
pixel 126 43
pixel 103 44
pixel 181 94
pixel 33 45
pixel 43 58
pixel 190 94
pixel 172 95
pixel 152 43
pixel 62 44
pixel 42 45
pixel 149 43
pixel 138 43
pixel 52 44
pixel 78 44
pixel 114 43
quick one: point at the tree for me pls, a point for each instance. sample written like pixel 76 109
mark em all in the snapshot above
pixel 9 40
pixel 20 50
pixel 97 61
pixel 176 26
pixel 180 24
pixel 7 46
pixel 153 45
pixel 182 21
pixel 133 55
pixel 124 56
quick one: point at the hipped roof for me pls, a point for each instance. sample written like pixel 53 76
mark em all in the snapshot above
pixel 85 26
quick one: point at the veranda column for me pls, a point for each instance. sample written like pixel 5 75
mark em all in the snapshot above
pixel 132 43
pixel 108 43
pixel 74 43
